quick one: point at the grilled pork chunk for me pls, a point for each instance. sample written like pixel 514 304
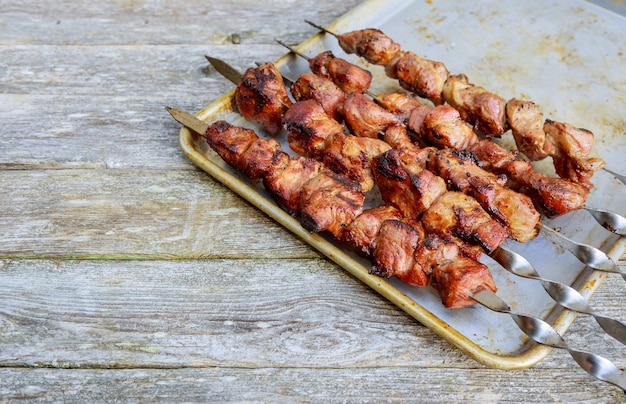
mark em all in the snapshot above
pixel 363 230
pixel 513 210
pixel 394 252
pixel 461 216
pixel 572 148
pixel 399 104
pixel 243 149
pixel 284 181
pixel 484 110
pixel 329 202
pixel 526 122
pixel 405 183
pixel 325 92
pixel 551 196
pixel 442 126
pixel 371 44
pixel 348 77
pixel 365 118
pixel 424 77
pixel 308 126
pixel 353 156
pixel 262 97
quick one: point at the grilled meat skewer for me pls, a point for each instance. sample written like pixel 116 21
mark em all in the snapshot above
pixel 349 77
pixel 569 146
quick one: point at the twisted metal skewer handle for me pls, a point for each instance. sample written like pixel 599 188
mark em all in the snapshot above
pixel 543 333
pixel 564 295
pixel 611 221
pixel 590 256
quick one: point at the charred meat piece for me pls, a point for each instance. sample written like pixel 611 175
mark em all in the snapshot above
pixel 363 230
pixel 329 202
pixel 526 122
pixel 371 44
pixel 458 215
pixel 484 110
pixel 456 280
pixel 348 77
pixel 366 118
pixel 457 168
pixel 242 148
pixel 572 149
pixel 513 210
pixel 308 126
pixel 433 251
pixel 311 86
pixel 404 183
pixel 399 104
pixel 442 126
pixel 452 275
pixel 394 251
pixel 284 181
pixel 397 137
pixel 491 156
pixel 552 196
pixel 424 77
pixel 262 97
pixel 352 157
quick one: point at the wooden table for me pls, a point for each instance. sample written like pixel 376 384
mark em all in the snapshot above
pixel 127 274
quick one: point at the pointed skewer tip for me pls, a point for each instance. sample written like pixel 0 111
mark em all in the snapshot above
pixel 320 27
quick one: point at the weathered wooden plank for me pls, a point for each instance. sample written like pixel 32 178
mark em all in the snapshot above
pixel 134 213
pixel 242 313
pixel 132 71
pixel 91 116
pixel 227 313
pixel 188 21
pixel 302 385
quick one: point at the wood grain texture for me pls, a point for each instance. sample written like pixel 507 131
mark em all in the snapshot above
pixel 126 274
pixel 233 320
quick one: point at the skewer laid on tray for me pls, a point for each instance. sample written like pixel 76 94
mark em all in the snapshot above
pixel 487 111
pixel 229 147
pixel 611 221
pixel 562 294
pixel 568 146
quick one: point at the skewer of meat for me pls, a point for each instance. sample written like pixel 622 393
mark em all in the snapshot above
pixel 381 255
pixel 349 77
pixel 491 114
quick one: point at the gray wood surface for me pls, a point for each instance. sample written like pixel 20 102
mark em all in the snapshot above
pixel 127 274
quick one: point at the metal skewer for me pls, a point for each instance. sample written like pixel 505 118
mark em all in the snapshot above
pixel 611 221
pixel 590 256
pixel 564 295
pixel 543 333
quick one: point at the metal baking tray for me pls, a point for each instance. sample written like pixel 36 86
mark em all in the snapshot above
pixel 568 57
